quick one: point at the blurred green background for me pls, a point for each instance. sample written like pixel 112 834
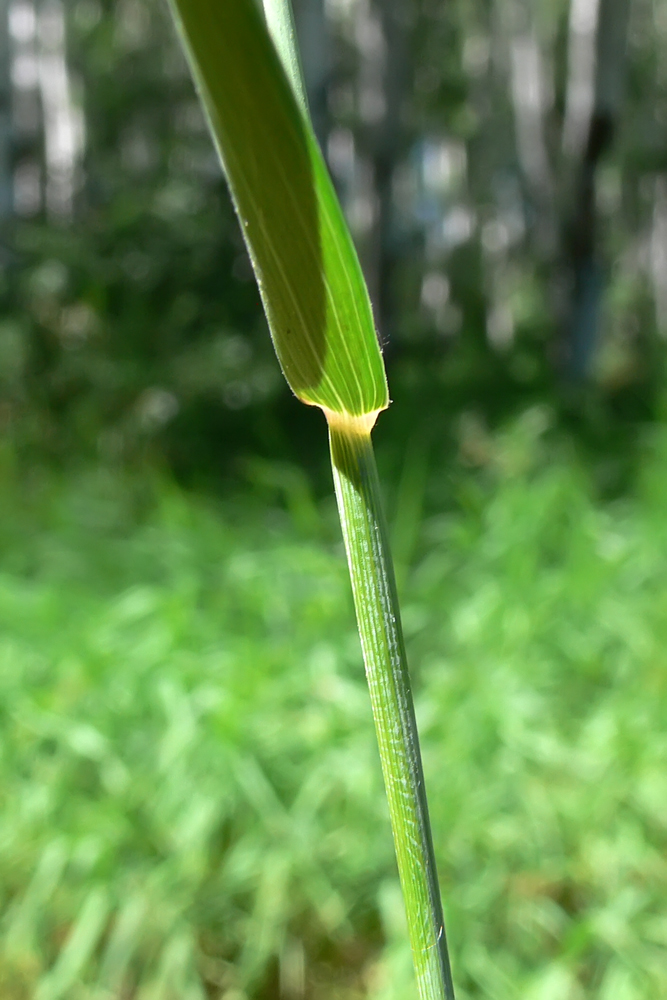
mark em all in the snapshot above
pixel 191 803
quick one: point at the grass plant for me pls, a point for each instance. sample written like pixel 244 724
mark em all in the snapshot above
pixel 319 313
pixel 191 803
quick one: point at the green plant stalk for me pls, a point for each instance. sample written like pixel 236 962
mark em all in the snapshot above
pixel 378 618
pixel 247 71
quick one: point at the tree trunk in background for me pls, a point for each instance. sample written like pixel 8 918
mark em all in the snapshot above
pixel 313 35
pixel 63 121
pixel 598 30
pixel 383 76
pixel 529 102
pixel 659 255
pixel 390 148
pixel 6 199
pixel 26 112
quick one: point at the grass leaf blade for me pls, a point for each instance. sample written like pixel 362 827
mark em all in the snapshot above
pixel 307 269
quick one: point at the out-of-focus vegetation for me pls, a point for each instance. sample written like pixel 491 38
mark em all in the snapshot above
pixel 191 799
pixel 507 196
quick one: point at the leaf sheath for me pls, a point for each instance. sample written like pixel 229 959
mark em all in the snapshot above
pixel 378 618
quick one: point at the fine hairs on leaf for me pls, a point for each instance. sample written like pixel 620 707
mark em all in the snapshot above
pixel 247 70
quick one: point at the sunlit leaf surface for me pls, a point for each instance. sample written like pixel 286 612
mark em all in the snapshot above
pixel 307 269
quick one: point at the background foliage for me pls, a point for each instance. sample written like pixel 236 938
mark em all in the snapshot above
pixel 131 319
pixel 193 802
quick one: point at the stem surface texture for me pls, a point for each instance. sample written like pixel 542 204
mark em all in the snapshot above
pixel 376 603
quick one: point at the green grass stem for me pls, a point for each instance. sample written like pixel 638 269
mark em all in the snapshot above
pixel 379 622
pixel 320 316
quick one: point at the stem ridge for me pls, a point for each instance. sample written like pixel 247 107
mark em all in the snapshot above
pixel 378 618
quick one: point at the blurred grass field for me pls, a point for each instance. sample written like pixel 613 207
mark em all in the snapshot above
pixel 191 796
